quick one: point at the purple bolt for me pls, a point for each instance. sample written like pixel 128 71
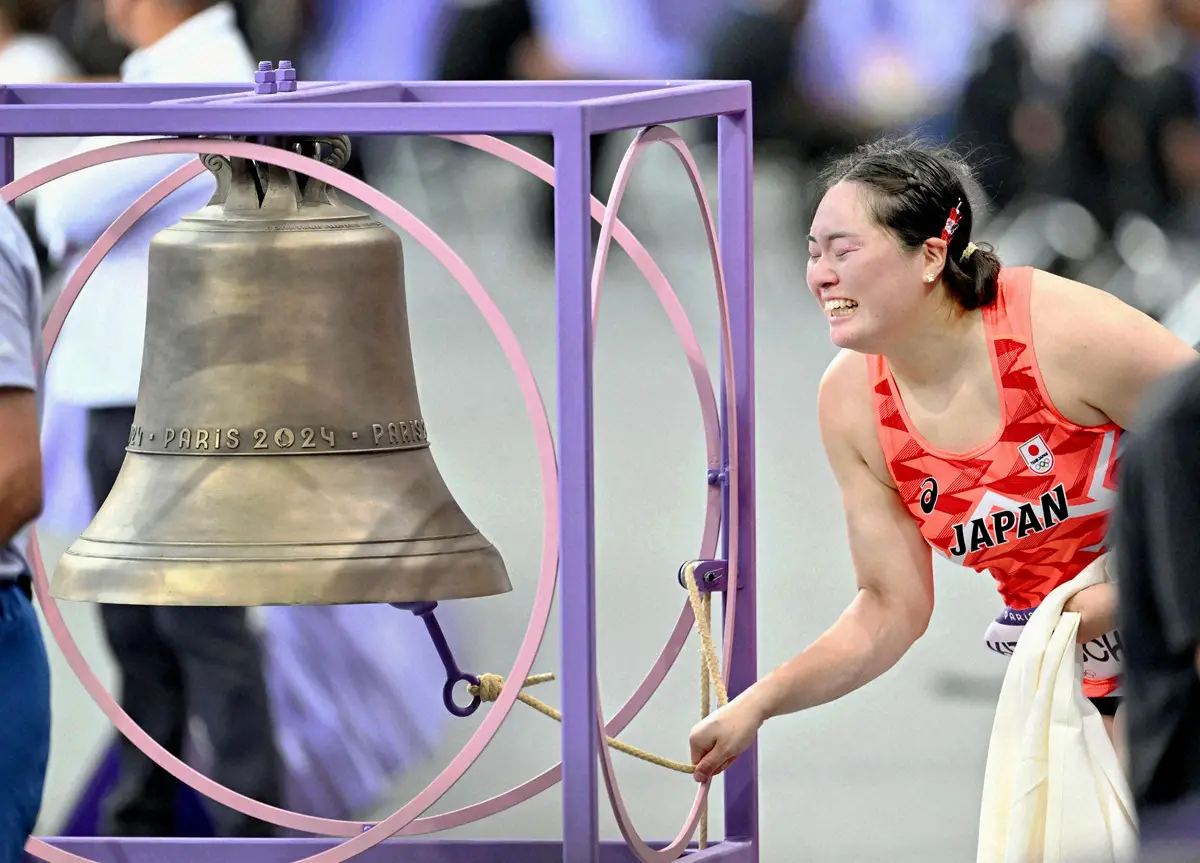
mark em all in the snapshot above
pixel 286 76
pixel 264 79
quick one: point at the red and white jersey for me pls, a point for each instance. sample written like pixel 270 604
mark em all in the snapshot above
pixel 1030 506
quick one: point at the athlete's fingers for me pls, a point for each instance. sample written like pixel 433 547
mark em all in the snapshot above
pixel 710 765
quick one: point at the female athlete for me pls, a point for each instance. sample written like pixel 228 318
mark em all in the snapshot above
pixel 974 410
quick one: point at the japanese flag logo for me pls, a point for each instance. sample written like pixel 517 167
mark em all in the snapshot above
pixel 1037 455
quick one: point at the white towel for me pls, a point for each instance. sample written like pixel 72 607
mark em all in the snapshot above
pixel 1054 790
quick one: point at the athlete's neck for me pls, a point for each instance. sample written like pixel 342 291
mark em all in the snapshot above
pixel 945 348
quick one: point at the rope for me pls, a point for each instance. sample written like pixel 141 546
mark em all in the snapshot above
pixel 491 685
pixel 705 687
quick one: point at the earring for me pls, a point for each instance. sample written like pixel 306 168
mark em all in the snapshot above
pixel 929 277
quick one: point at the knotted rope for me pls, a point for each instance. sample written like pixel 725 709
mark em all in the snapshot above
pixel 491 685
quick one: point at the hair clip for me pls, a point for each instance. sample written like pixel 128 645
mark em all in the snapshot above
pixel 952 222
pixel 967 252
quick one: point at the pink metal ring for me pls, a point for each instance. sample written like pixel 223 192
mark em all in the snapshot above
pixel 712 522
pixel 712 525
pixel 546 583
pixel 645 139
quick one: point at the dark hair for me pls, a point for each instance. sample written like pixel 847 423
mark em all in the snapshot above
pixel 914 187
pixel 26 16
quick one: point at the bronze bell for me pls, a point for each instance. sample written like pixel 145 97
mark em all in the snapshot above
pixel 278 454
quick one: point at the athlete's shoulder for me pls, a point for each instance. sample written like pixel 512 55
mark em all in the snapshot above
pixel 1113 350
pixel 845 366
pixel 846 409
pixel 1077 313
pixel 1055 292
pixel 845 388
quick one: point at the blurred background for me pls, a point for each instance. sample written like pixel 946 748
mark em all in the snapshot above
pixel 1082 119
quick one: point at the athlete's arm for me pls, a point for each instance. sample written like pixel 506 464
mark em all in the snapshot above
pixel 892 564
pixel 894 571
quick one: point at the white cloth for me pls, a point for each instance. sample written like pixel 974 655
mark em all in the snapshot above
pixel 32 58
pixel 1054 790
pixel 1103 657
pixel 98 359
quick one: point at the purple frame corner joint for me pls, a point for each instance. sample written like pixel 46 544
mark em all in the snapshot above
pixel 570 112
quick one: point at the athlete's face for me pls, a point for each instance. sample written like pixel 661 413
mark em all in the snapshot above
pixel 867 285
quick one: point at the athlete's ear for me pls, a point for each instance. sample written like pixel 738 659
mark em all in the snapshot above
pixel 933 257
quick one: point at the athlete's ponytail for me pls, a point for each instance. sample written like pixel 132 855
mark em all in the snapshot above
pixel 971 276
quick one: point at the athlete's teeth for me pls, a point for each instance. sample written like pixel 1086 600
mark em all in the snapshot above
pixel 830 305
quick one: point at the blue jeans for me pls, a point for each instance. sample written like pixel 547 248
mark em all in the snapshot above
pixel 24 720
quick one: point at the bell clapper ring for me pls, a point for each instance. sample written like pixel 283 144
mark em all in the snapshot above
pixel 454 675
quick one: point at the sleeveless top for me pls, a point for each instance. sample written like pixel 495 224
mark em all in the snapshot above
pixel 1031 505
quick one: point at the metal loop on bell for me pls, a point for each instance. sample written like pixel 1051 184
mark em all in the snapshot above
pixel 448 695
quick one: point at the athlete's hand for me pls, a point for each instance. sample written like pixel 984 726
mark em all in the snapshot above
pixel 721 737
pixel 1097 610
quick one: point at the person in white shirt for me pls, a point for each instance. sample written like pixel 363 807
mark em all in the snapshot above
pixel 28 55
pixel 24 668
pixel 174 663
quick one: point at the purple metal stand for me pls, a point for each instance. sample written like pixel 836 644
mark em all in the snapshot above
pixel 571 112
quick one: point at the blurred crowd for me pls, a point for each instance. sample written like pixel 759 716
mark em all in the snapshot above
pixel 1081 114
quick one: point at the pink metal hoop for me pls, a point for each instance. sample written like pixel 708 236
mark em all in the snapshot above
pixel 645 139
pixel 712 523
pixel 546 583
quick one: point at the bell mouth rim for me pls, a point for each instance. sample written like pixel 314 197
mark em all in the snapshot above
pixel 248 582
pixel 252 552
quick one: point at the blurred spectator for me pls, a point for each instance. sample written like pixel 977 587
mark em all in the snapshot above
pixel 486 41
pixel 757 43
pixel 24 668
pixel 498 40
pixel 894 64
pixel 1011 107
pixel 1182 140
pixel 364 40
pixel 631 39
pixel 174 663
pixel 353 40
pixel 80 26
pixel 275 29
pixel 1129 114
pixel 1185 13
pixel 28 53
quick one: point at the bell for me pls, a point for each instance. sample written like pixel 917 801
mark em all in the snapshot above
pixel 278 455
